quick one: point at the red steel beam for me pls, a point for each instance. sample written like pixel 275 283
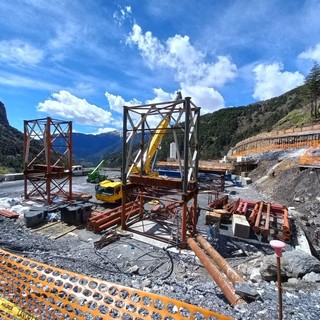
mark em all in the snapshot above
pixel 256 226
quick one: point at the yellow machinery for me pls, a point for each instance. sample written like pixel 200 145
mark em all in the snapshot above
pixel 110 191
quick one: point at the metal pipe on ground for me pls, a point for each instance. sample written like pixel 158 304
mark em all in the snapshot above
pixel 256 227
pixel 253 214
pixel 219 260
pixel 286 225
pixel 216 274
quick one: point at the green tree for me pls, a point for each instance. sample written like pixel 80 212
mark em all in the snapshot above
pixel 312 82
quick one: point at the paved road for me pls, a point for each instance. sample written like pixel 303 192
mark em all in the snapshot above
pixel 14 189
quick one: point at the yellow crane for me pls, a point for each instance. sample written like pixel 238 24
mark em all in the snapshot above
pixel 110 191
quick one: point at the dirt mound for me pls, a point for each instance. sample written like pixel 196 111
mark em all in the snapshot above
pixel 284 181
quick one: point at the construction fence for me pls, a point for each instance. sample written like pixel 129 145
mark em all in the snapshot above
pixel 33 290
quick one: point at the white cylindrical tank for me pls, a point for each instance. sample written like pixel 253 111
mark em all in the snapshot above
pixel 173 151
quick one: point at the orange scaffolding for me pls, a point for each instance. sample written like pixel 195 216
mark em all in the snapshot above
pixel 47 159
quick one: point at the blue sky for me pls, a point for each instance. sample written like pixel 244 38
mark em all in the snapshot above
pixel 83 60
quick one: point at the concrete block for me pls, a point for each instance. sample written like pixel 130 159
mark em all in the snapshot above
pixel 246 180
pixel 240 226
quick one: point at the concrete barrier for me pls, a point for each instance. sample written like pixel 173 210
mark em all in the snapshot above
pixel 12 176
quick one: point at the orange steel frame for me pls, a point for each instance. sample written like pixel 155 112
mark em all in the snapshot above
pixel 275 140
pixel 48 172
pixel 184 127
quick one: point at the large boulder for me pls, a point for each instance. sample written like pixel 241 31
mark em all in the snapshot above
pixel 294 264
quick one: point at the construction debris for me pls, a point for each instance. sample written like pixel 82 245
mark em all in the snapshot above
pixel 263 218
pixel 9 214
pixel 106 239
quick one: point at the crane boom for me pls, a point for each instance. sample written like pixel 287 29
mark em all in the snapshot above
pixel 110 191
pixel 152 147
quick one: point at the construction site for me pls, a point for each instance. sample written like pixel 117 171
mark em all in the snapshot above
pixel 237 238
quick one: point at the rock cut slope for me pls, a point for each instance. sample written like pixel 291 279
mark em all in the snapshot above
pixel 280 177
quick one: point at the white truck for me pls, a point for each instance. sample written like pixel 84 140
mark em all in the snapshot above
pixel 78 170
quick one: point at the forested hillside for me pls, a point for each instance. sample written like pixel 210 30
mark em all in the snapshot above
pixel 224 128
pixel 93 148
pixel 221 130
pixel 11 145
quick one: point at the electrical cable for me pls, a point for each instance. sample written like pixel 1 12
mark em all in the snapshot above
pixel 159 265
pixel 20 250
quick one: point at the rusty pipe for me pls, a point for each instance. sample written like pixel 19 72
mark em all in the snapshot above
pixel 285 225
pixel 253 214
pixel 219 260
pixel 256 226
pixel 239 208
pixel 216 275
pixel 244 208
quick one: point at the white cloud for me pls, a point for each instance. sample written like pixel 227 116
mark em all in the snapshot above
pixel 160 96
pixel 17 52
pixel 197 77
pixel 207 98
pixel 116 103
pixel 272 82
pixel 311 53
pixel 104 130
pixel 83 88
pixel 68 106
pixel 122 14
pixel 150 47
pixel 65 35
pixel 14 80
pixel 179 55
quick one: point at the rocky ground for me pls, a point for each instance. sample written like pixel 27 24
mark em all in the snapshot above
pixel 182 276
pixel 280 178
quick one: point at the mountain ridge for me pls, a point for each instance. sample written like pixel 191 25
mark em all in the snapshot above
pixel 220 131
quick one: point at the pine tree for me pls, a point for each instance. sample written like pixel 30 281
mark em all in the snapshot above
pixel 312 82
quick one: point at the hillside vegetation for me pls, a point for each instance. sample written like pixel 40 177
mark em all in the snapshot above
pixel 223 129
pixel 219 131
pixel 11 145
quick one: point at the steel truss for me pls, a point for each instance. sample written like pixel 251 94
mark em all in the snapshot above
pixel 47 159
pixel 138 131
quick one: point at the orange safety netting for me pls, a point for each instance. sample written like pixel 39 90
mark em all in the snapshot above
pixel 33 290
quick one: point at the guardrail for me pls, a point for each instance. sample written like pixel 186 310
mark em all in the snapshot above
pixel 11 177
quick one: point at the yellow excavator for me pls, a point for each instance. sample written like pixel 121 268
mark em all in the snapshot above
pixel 110 191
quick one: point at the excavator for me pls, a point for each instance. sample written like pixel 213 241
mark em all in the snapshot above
pixel 110 191
pixel 95 176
